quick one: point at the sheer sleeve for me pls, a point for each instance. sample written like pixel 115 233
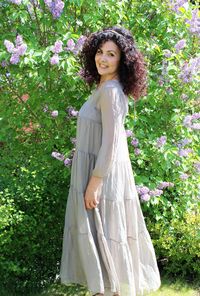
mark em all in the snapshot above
pixel 111 115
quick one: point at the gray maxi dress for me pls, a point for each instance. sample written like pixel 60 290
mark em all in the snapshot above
pixel 108 249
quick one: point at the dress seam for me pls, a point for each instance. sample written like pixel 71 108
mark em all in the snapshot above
pixel 90 119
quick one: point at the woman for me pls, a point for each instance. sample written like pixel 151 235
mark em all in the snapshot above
pixel 106 244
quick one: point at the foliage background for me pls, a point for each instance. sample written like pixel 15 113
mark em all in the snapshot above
pixel 39 100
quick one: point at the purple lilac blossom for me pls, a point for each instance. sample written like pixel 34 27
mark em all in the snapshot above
pixel 134 142
pixel 81 41
pixel 16 1
pixel 196 126
pixel 156 192
pixel 142 189
pixel 161 141
pixel 14 59
pixel 184 97
pixel 19 40
pixel 4 64
pixel 54 113
pixel 196 116
pixel 55 7
pixel 54 59
pixel 71 111
pixel 74 113
pixel 57 155
pixel 180 45
pixel 9 46
pixel 169 90
pixel 70 45
pixel 187 122
pixel 145 197
pixel 194 23
pixel 129 133
pixel 22 49
pixel 167 53
pixel 184 142
pixel 67 162
pixel 79 44
pixel 184 176
pixel 189 69
pixel 163 185
pixel 164 67
pixel 137 151
pixel 176 4
pixel 57 48
pixel 184 152
pixel 197 166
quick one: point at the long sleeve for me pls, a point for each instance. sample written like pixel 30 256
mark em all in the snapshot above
pixel 111 116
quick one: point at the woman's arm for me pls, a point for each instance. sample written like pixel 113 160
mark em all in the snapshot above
pixel 111 114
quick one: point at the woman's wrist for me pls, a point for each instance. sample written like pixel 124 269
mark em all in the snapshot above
pixel 95 182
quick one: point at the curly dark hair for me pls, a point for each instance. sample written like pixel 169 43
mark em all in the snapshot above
pixel 132 67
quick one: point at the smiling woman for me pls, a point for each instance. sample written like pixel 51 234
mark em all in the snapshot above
pixel 132 70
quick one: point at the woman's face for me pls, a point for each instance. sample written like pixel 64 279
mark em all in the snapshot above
pixel 107 60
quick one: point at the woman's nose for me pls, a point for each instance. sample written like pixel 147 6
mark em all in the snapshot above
pixel 103 58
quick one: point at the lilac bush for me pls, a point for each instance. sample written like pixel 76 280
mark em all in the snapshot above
pixel 41 94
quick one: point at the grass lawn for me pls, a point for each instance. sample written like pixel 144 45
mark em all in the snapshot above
pixel 168 288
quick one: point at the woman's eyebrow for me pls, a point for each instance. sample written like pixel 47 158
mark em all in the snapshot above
pixel 110 50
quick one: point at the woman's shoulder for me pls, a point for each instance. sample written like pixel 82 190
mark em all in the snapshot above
pixel 111 86
pixel 111 90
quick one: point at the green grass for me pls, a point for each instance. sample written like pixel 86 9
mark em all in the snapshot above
pixel 168 288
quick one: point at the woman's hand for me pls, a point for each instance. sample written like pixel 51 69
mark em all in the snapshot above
pixel 92 192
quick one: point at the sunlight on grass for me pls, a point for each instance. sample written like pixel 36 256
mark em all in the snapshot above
pixel 168 288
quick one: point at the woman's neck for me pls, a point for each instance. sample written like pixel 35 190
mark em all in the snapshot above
pixel 116 77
